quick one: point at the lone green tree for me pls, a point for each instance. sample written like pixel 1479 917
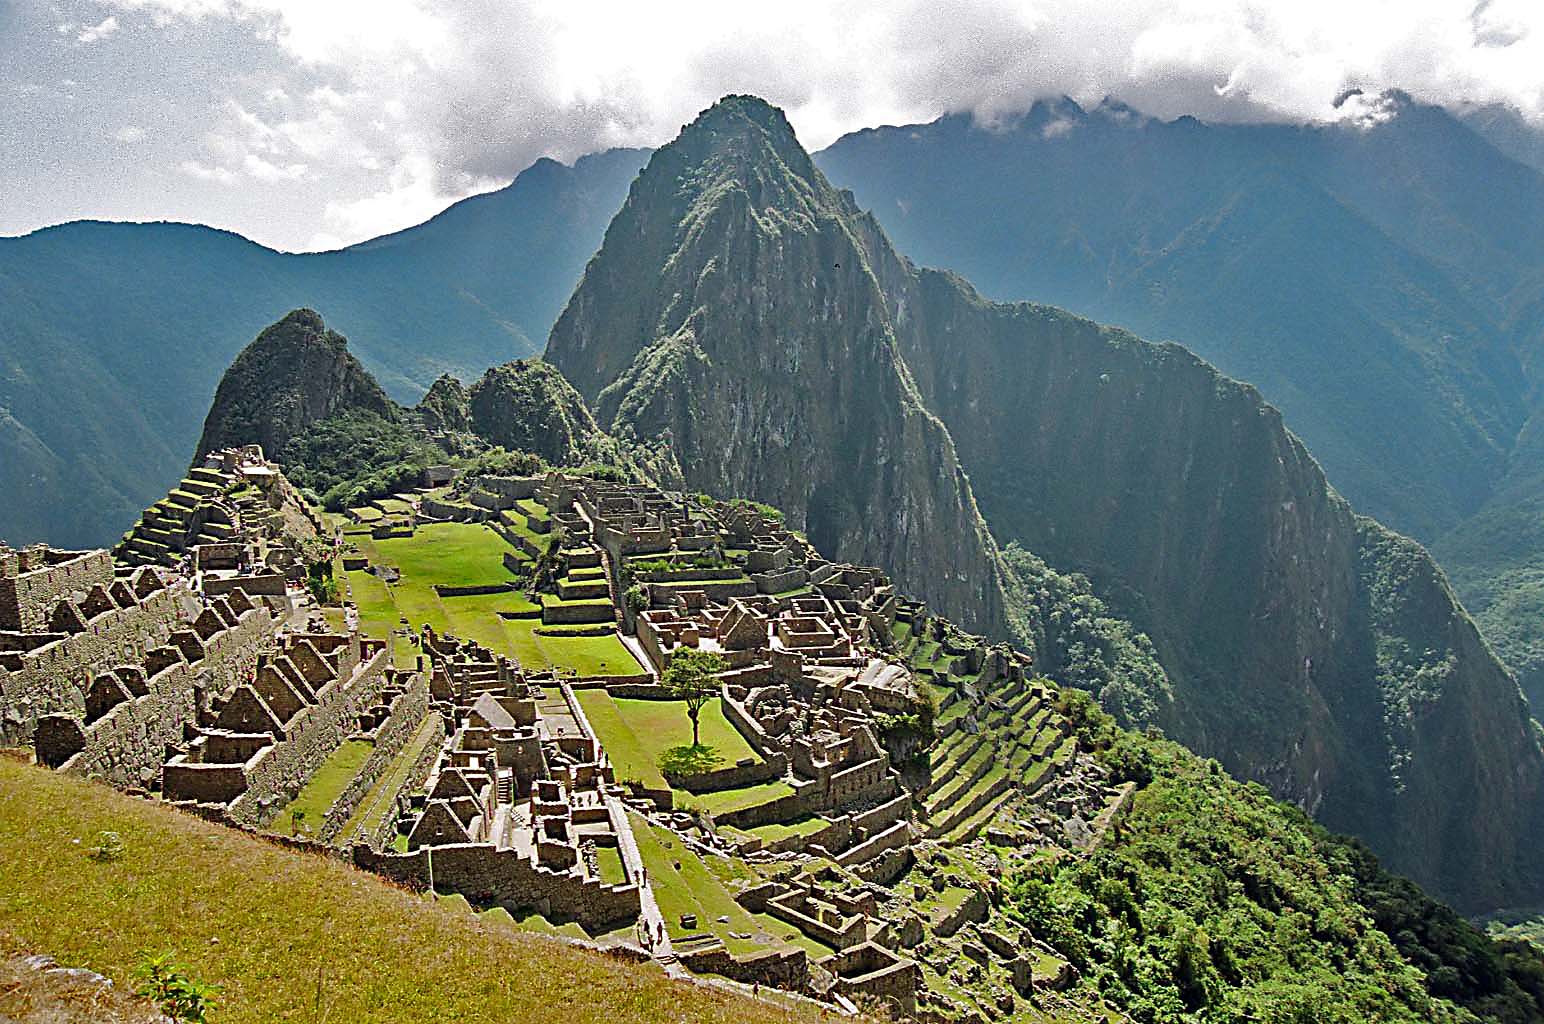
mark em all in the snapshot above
pixel 692 676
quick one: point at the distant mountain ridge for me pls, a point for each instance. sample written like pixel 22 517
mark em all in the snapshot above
pixel 1382 285
pixel 116 334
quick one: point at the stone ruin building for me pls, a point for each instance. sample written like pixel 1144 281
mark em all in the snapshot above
pixel 133 676
pixel 232 521
pixel 519 798
pixel 170 675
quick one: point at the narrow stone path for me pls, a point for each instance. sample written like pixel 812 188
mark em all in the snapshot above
pixel 649 913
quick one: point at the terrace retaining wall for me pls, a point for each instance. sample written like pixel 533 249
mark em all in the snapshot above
pixel 487 876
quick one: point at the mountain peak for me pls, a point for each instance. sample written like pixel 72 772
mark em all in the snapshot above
pixel 734 314
pixel 295 372
pixel 742 109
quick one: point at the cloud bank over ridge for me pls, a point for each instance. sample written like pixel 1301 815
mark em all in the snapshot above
pixel 305 124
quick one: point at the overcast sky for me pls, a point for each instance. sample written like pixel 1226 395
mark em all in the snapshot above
pixel 308 124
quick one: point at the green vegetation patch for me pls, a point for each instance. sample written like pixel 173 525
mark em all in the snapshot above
pixel 381 800
pixel 629 756
pixel 326 785
pixel 782 830
pixel 662 724
pixel 451 554
pixel 694 889
pixel 1216 902
pixel 729 800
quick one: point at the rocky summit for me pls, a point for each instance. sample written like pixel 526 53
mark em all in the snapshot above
pixel 732 311
pixel 294 374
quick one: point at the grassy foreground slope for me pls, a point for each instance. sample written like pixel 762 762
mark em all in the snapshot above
pixel 270 926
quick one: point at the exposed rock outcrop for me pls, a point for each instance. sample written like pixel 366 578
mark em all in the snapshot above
pixel 295 373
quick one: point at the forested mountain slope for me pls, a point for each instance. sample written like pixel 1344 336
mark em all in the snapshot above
pixel 115 334
pixel 1358 274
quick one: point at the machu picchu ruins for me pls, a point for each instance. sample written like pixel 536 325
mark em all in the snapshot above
pixel 526 756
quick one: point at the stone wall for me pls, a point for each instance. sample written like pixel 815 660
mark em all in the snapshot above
pixel 779 582
pixel 128 744
pixel 782 809
pixel 727 573
pixel 268 584
pixel 976 907
pixel 748 727
pixel 487 876
pixel 892 838
pixel 412 784
pixel 577 614
pixel 733 777
pixel 719 591
pixel 437 509
pixel 52 678
pixel 407 713
pixel 472 589
pixel 30 590
pixel 883 816
pixel 780 968
pixel 509 488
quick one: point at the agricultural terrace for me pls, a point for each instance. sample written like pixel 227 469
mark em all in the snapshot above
pixel 684 883
pixel 469 555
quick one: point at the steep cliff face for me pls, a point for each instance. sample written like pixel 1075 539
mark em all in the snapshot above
pixel 753 316
pixel 1307 647
pixel 731 310
pixel 295 373
pixel 527 406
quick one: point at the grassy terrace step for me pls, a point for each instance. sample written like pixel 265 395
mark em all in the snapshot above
pixel 325 785
pixel 583 589
pixel 382 798
pixel 267 923
pixel 953 711
pixel 960 752
pixel 973 826
pixel 635 732
pixel 952 750
pixel 962 778
pixel 532 507
pixel 1058 757
pixel 983 790
pixel 695 889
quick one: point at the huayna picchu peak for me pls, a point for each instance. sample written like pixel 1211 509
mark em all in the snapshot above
pixel 803 633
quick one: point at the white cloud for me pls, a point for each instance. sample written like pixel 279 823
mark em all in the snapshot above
pixel 263 170
pixel 390 109
pixel 204 172
pixel 410 196
pixel 129 133
pixel 101 30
